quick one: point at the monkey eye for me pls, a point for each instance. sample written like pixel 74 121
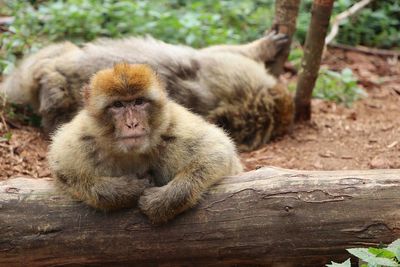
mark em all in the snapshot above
pixel 139 101
pixel 118 104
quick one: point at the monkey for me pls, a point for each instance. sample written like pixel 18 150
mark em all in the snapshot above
pixel 229 85
pixel 130 131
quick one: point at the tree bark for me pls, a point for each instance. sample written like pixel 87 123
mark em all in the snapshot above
pixel 267 217
pixel 284 22
pixel 314 45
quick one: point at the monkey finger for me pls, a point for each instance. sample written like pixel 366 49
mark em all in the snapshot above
pixel 280 37
pixel 270 34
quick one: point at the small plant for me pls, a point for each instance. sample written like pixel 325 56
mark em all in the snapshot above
pixel 295 56
pixel 374 257
pixel 6 136
pixel 340 87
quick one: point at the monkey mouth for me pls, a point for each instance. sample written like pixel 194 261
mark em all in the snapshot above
pixel 134 136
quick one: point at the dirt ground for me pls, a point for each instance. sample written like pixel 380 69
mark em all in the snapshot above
pixel 365 136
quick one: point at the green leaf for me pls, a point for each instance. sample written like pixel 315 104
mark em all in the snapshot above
pixel 7 136
pixel 381 252
pixel 367 256
pixel 395 248
pixel 394 244
pixel 347 263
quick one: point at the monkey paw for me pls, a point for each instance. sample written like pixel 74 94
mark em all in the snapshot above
pixel 272 44
pixel 154 203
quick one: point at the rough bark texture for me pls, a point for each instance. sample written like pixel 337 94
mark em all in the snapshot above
pixel 267 217
pixel 284 22
pixel 314 45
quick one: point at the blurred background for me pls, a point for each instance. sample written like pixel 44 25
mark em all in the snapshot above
pixel 28 25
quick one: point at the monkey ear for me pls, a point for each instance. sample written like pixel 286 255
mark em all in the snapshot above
pixel 86 94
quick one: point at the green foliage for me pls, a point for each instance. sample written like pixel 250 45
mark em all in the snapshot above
pixel 194 22
pixel 22 114
pixel 373 260
pixel 7 136
pixel 347 263
pixel 340 87
pixel 374 257
pixel 295 57
pixel 376 25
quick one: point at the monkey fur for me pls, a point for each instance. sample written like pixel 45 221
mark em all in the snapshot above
pixel 228 85
pixel 129 130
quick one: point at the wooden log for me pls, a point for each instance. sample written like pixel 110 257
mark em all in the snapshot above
pixel 267 217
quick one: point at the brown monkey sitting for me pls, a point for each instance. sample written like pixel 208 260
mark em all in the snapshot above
pixel 128 128
pixel 228 84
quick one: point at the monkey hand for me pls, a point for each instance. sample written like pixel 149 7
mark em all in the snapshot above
pixel 272 43
pixel 157 204
pixel 113 193
pixel 133 184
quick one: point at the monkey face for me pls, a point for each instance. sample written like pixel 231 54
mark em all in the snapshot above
pixel 131 123
pixel 127 103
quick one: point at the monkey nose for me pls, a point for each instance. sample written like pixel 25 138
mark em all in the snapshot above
pixel 132 125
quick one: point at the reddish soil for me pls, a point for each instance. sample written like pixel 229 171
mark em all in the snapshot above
pixel 364 136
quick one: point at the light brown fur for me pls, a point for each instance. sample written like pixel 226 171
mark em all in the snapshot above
pixel 227 84
pixel 183 154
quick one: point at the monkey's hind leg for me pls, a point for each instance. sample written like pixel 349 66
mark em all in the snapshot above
pixel 262 50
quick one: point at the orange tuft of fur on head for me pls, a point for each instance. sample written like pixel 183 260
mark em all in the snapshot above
pixel 123 80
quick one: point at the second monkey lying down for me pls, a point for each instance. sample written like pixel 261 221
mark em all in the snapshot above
pixel 129 130
pixel 227 84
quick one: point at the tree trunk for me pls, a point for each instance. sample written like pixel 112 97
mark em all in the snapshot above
pixel 268 217
pixel 284 22
pixel 314 45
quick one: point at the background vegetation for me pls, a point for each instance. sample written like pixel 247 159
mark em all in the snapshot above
pixel 194 22
pixel 383 256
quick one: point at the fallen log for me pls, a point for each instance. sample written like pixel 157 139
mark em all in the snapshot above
pixel 267 217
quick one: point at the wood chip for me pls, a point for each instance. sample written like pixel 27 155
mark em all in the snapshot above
pixel 346 157
pixel 327 154
pixel 393 144
pixel 379 163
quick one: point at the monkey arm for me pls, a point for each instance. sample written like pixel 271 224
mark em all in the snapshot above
pixel 107 193
pixel 163 203
pixel 184 191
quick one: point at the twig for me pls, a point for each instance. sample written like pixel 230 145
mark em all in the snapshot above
pixel 6 20
pixel 3 105
pixel 367 50
pixel 345 14
pixel 4 122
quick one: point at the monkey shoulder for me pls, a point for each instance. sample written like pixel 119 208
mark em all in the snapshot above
pixel 71 144
pixel 195 138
